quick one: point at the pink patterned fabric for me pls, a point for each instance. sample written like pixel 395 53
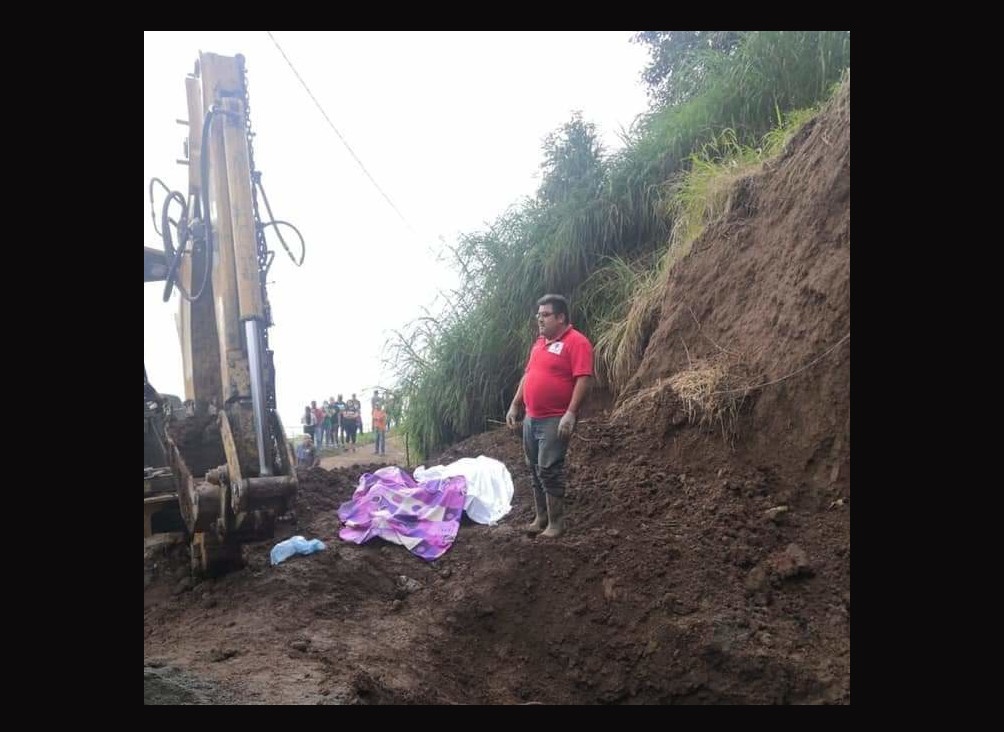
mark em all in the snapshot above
pixel 422 517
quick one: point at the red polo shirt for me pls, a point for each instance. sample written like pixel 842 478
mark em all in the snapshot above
pixel 552 370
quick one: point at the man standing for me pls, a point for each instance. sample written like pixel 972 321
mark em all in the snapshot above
pixel 379 431
pixel 554 384
pixel 334 414
pixel 339 422
pixel 352 420
pixel 325 426
pixel 318 424
pixel 308 421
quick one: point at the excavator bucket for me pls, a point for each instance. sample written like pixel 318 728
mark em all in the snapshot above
pixel 223 508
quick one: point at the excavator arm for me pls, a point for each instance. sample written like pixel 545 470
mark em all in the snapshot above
pixel 154 265
pixel 229 456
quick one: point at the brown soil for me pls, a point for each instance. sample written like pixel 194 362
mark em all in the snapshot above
pixel 707 561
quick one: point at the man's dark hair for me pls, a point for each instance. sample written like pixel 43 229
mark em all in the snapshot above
pixel 558 303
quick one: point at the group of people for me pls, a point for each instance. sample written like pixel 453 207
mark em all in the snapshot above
pixel 336 423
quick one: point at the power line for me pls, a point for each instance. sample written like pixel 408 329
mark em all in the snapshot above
pixel 344 141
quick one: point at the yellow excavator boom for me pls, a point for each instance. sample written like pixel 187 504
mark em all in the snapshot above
pixel 227 450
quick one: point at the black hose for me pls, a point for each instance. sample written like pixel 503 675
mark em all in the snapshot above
pixel 173 255
pixel 165 235
pixel 273 222
pixel 303 244
pixel 153 213
pixel 184 234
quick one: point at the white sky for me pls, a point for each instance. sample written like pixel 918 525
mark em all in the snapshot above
pixel 450 124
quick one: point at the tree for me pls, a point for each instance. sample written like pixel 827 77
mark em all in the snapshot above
pixel 573 163
pixel 681 60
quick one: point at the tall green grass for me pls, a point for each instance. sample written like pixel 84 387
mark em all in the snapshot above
pixel 604 230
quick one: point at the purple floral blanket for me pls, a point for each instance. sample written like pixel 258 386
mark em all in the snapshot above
pixel 422 517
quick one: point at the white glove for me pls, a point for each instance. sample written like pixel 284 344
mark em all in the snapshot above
pixel 566 426
pixel 512 416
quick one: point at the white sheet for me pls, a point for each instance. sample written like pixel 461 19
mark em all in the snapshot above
pixel 489 486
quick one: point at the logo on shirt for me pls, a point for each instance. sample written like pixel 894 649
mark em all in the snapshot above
pixel 555 347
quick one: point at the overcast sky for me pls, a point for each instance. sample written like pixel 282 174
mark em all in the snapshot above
pixel 449 124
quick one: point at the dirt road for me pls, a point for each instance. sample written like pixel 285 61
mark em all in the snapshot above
pixel 396 455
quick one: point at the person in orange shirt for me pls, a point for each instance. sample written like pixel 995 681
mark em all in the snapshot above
pixel 380 430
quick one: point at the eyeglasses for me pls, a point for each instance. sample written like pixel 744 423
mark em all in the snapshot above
pixel 544 315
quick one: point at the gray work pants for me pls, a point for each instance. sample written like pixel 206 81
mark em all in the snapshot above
pixel 545 454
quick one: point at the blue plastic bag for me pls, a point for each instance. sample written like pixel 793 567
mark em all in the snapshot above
pixel 294 545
